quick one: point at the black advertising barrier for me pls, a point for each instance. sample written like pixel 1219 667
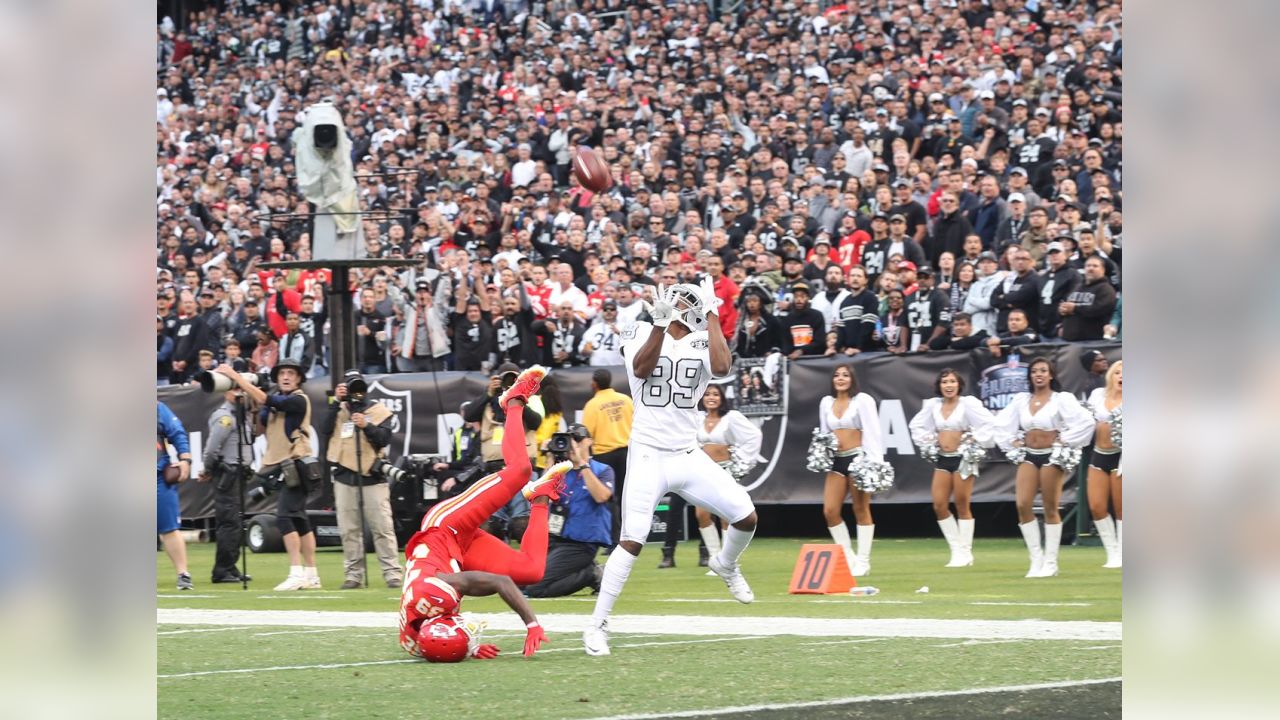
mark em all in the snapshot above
pixel 787 416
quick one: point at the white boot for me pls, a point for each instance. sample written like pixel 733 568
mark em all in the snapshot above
pixel 1107 532
pixel 951 532
pixel 866 533
pixel 1052 540
pixel 840 534
pixel 966 539
pixel 1031 535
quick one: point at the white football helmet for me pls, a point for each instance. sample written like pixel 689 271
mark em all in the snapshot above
pixel 690 309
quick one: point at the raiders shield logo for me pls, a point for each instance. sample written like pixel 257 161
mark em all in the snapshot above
pixel 400 403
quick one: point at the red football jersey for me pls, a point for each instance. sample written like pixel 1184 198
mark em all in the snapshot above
pixel 429 553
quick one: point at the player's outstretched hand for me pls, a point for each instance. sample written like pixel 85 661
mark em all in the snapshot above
pixel 664 310
pixel 534 639
pixel 707 290
pixel 485 652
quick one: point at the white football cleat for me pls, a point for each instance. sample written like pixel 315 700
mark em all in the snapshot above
pixel 595 639
pixel 293 582
pixel 733 578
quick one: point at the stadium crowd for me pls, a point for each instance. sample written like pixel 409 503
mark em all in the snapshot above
pixel 852 176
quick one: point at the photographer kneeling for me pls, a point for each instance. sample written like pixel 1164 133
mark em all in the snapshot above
pixel 355 454
pixel 579 523
pixel 288 465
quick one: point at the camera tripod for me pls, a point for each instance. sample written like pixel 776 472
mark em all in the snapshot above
pixel 243 437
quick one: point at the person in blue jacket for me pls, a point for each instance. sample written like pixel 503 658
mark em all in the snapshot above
pixel 169 429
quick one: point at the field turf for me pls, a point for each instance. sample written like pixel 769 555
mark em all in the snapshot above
pixel 676 648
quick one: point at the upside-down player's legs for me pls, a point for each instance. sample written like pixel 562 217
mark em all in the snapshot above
pixel 525 566
pixel 466 512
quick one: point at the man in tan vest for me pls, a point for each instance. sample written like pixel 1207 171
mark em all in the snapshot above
pixel 353 419
pixel 285 419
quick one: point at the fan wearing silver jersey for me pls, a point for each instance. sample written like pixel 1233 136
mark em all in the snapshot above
pixel 669 364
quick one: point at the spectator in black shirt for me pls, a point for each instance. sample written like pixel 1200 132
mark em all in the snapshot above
pixel 929 312
pixel 1058 281
pixel 950 230
pixel 961 337
pixel 371 335
pixel 1019 333
pixel 1019 291
pixel 759 332
pixel 1089 308
pixel 473 337
pixel 856 317
pixel 190 336
pixel 513 335
pixel 803 329
pixel 914 212
pixel 561 337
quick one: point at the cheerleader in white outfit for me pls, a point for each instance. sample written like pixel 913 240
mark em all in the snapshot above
pixel 733 441
pixel 1042 432
pixel 852 417
pixel 1104 464
pixel 953 431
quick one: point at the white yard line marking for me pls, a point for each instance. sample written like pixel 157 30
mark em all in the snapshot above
pixel 1038 604
pixel 292 596
pixel 297 632
pixel 864 699
pixel 329 666
pixel 167 596
pixel 235 671
pixel 666 642
pixel 1100 647
pixel 976 642
pixel 683 624
pixel 846 642
pixel 201 630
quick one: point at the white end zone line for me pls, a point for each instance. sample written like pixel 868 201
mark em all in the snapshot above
pixel 696 625
pixel 865 699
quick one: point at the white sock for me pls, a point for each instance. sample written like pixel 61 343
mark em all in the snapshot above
pixel 866 533
pixel 295 571
pixel 310 571
pixel 711 538
pixel 1119 533
pixel 616 571
pixel 735 542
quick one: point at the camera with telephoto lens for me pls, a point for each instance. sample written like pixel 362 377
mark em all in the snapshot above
pixel 271 484
pixel 389 472
pixel 211 381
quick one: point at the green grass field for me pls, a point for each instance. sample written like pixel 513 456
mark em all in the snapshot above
pixel 297 662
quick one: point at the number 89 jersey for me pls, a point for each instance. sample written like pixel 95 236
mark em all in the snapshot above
pixel 666 402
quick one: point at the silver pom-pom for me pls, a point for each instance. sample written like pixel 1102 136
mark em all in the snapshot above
pixel 822 451
pixel 1018 454
pixel 1117 428
pixel 971 456
pixel 1067 458
pixel 870 476
pixel 929 452
pixel 739 465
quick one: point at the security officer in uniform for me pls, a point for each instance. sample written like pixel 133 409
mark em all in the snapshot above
pixel 579 523
pixel 359 432
pixel 285 419
pixel 224 451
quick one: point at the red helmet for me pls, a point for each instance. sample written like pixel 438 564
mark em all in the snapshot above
pixel 446 639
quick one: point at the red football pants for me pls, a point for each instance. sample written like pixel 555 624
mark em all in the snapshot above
pixel 465 513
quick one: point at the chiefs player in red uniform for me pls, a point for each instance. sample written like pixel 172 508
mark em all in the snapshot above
pixel 450 556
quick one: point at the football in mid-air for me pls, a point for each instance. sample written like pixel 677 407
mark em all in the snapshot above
pixel 591 170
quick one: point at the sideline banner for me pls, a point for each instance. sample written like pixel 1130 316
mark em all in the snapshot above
pixel 779 395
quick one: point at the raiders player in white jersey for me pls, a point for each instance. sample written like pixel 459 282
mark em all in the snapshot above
pixel 669 364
